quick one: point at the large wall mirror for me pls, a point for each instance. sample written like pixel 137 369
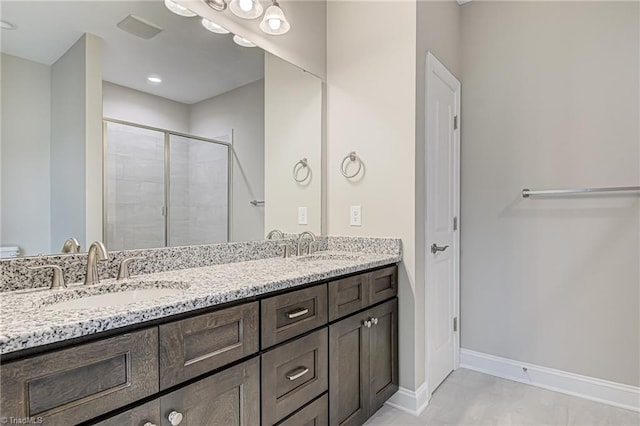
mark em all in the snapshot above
pixel 124 122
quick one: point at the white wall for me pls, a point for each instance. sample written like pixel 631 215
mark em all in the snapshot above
pixel 293 130
pixel 240 110
pixel 76 144
pixel 26 128
pixel 123 103
pixel 371 96
pixel 304 45
pixel 551 100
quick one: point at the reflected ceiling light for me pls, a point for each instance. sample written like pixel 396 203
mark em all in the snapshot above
pixel 241 41
pixel 154 79
pixel 6 25
pixel 246 9
pixel 213 27
pixel 217 5
pixel 274 21
pixel 178 9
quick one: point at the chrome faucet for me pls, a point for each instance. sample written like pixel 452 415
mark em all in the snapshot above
pixel 97 251
pixel 275 233
pixel 301 237
pixel 71 245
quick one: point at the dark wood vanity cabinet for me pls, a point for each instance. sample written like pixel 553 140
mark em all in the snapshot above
pixel 363 355
pixel 324 354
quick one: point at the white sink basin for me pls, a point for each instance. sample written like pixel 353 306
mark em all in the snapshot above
pixel 115 299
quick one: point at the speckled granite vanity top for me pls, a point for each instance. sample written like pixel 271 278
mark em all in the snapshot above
pixel 29 318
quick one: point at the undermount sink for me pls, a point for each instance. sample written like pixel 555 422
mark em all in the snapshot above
pixel 327 256
pixel 112 295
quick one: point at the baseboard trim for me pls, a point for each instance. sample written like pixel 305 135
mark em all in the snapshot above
pixel 611 393
pixel 412 402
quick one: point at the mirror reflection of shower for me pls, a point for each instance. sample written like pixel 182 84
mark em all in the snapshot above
pixel 164 188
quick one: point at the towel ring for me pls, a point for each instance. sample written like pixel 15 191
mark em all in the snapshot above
pixel 300 165
pixel 343 167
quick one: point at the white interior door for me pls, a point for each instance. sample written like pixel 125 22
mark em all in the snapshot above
pixel 442 211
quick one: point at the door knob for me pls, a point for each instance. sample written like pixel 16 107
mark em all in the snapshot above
pixel 435 248
pixel 175 418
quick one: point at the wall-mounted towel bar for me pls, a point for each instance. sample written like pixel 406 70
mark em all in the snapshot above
pixel 256 203
pixel 526 193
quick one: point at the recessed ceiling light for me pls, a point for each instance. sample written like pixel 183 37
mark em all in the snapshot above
pixel 6 25
pixel 241 41
pixel 213 27
pixel 179 9
pixel 154 79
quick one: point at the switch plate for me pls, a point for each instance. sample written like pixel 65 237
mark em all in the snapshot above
pixel 302 216
pixel 355 216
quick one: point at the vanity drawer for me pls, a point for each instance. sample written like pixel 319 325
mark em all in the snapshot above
pixel 314 414
pixel 138 416
pixel 76 384
pixel 293 375
pixel 290 314
pixel 383 284
pixel 348 295
pixel 195 346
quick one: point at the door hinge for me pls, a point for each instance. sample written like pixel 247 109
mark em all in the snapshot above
pixel 455 223
pixel 455 122
pixel 455 324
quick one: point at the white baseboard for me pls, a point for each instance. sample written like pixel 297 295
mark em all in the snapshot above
pixel 616 394
pixel 412 402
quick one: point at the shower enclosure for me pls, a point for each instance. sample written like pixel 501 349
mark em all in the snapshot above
pixel 163 188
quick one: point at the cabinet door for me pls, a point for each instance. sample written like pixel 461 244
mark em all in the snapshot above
pixel 138 416
pixel 79 383
pixel 195 346
pixel 230 398
pixel 383 284
pixel 383 354
pixel 349 374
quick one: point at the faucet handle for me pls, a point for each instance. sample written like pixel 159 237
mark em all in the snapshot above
pixel 287 250
pixel 123 270
pixel 57 281
pixel 314 246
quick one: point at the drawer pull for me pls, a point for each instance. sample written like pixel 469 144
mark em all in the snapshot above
pixel 296 374
pixel 175 418
pixel 298 313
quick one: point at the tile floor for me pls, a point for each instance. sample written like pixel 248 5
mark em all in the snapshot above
pixel 470 398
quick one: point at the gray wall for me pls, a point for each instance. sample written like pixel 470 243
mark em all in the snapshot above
pixel 26 127
pixel 550 99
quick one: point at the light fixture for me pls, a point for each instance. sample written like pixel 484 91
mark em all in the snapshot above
pixel 241 41
pixel 217 5
pixel 246 9
pixel 154 79
pixel 213 27
pixel 178 9
pixel 274 21
pixel 6 25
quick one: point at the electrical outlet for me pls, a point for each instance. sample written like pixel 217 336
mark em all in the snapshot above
pixel 355 216
pixel 302 216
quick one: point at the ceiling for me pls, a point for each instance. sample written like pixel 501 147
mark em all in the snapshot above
pixel 194 63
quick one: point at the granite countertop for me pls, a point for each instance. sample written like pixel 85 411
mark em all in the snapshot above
pixel 27 320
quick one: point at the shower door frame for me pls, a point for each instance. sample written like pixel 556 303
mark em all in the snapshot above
pixel 167 181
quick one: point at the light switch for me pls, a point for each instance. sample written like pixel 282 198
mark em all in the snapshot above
pixel 355 216
pixel 302 216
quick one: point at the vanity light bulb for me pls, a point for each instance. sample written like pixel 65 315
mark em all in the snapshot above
pixel 178 9
pixel 246 5
pixel 275 24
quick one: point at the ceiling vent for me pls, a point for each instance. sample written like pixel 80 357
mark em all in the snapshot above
pixel 139 27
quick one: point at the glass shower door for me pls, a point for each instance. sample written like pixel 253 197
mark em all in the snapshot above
pixel 134 187
pixel 198 191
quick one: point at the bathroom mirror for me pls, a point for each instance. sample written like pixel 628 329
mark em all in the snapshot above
pixel 124 122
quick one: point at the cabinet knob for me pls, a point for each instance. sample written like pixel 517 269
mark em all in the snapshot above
pixel 175 418
pixel 149 424
pixel 374 321
pixel 367 323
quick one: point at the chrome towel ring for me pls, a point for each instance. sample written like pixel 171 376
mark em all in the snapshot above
pixel 301 165
pixel 352 157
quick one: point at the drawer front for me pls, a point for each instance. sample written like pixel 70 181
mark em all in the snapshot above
pixel 195 346
pixel 139 416
pixel 82 382
pixel 293 375
pixel 228 398
pixel 314 414
pixel 348 295
pixel 291 314
pixel 383 284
